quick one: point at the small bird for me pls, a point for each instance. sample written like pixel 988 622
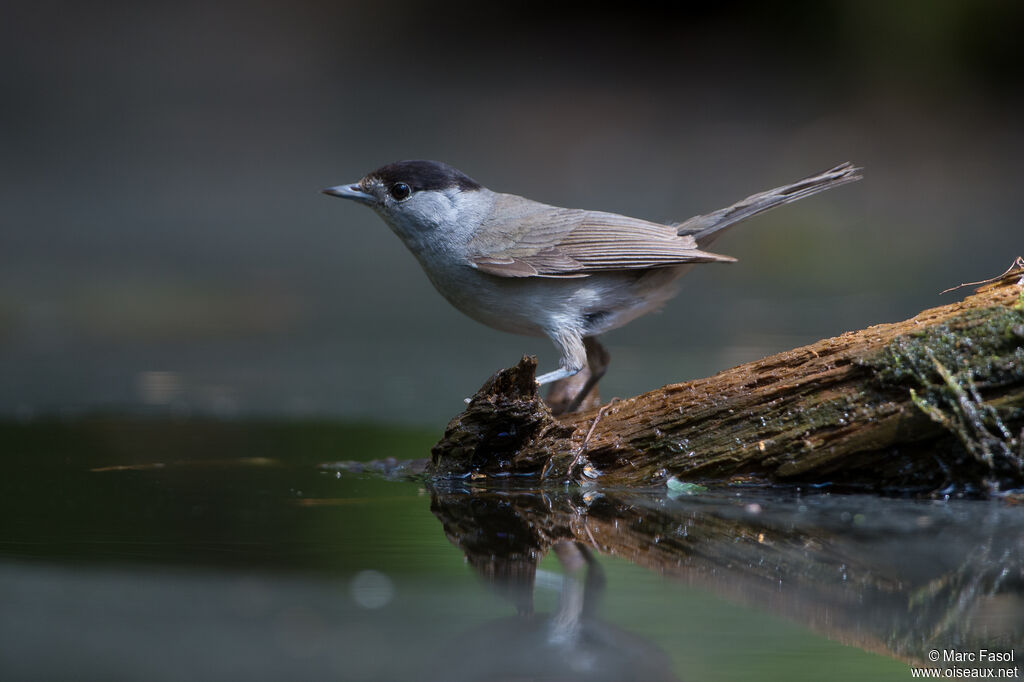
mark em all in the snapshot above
pixel 525 267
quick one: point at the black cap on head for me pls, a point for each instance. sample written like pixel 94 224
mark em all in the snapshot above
pixel 424 175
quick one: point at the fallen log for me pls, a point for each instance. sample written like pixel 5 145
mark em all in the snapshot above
pixel 934 404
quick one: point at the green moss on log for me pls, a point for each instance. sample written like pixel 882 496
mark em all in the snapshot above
pixel 948 368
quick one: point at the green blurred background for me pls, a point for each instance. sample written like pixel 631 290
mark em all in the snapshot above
pixel 164 247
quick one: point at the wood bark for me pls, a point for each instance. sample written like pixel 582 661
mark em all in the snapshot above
pixel 931 404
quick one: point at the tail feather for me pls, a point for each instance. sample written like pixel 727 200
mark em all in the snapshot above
pixel 706 228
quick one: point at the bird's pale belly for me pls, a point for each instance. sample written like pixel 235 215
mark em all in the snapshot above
pixel 535 306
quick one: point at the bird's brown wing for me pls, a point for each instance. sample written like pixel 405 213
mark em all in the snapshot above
pixel 538 240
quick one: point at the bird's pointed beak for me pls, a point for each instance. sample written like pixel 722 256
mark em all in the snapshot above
pixel 350 192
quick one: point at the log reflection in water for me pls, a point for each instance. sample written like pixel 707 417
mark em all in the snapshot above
pixel 897 577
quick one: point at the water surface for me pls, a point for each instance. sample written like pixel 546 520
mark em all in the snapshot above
pixel 166 550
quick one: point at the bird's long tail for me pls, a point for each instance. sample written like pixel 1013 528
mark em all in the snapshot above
pixel 706 228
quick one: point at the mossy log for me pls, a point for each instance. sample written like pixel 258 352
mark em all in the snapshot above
pixel 931 404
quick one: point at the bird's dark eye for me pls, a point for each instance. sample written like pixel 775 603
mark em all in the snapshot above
pixel 400 191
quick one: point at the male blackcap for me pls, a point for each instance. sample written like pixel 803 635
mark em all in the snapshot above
pixel 529 268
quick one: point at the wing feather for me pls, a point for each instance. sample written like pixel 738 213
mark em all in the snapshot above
pixel 545 241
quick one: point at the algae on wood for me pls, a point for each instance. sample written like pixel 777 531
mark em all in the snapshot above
pixel 934 403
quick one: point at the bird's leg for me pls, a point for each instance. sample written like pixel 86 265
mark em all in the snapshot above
pixel 574 356
pixel 573 372
pixel 558 374
pixel 598 360
pixel 564 391
pixel 572 393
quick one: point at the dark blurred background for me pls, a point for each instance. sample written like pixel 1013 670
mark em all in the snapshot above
pixel 165 248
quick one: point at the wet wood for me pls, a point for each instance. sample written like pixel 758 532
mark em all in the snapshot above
pixel 931 403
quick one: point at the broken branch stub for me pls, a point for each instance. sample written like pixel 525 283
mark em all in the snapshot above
pixel 500 429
